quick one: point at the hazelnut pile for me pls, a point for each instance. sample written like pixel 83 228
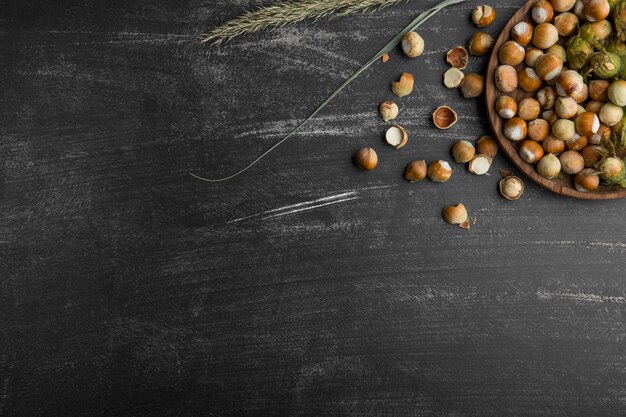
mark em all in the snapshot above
pixel 566 62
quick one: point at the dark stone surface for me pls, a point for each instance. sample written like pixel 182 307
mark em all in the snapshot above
pixel 127 288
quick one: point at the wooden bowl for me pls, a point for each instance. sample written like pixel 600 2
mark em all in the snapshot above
pixel 564 186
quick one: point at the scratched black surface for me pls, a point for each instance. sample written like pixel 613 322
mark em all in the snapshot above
pixel 127 288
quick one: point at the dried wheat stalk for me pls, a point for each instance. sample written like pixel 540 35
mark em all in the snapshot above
pixel 281 13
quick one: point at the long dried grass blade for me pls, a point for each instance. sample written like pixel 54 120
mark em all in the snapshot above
pixel 386 49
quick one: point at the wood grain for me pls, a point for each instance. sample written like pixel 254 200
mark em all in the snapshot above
pixel 563 185
pixel 307 287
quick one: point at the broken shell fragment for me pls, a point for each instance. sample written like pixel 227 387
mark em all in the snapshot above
pixel 404 86
pixel 396 136
pixel 412 45
pixel 388 110
pixel 457 57
pixel 453 77
pixel 483 15
pixel 444 117
pixel 479 165
pixel 456 215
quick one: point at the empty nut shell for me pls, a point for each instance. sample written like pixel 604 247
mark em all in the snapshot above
pixel 404 86
pixel 444 117
pixel 457 57
pixel 453 77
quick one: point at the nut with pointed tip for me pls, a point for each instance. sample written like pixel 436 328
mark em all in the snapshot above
pixel 366 158
pixel 530 151
pixel 542 11
pixel 412 45
pixel 571 162
pixel 563 129
pixel 549 166
pixel 479 164
pixel 548 66
pixel 480 44
pixel 463 151
pixel 453 77
pixel 505 78
pixel 511 187
pixel 506 107
pixel 439 171
pixel 457 57
pixel 516 129
pixel 538 130
pixel 388 110
pixel 483 15
pixel 511 53
pixel 566 24
pixel 545 35
pixel 566 107
pixel 529 109
pixel 596 10
pixel 522 33
pixel 396 136
pixel 473 85
pixel 416 171
pixel 547 97
pixel 528 80
pixel 487 146
pixel 404 86
pixel 553 145
pixel 444 117
pixel 456 215
pixel 587 180
pixel 563 5
pixel 587 123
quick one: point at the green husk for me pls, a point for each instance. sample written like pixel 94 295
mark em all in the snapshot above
pixel 616 46
pixel 612 171
pixel 595 33
pixel 605 64
pixel 386 49
pixel 619 17
pixel 578 52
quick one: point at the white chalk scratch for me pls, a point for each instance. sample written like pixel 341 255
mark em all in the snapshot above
pixel 309 208
pixel 583 297
pixel 311 204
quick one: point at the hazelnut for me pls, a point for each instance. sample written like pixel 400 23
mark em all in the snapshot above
pixel 388 110
pixel 444 117
pixel 366 159
pixel 416 171
pixel 483 15
pixel 412 45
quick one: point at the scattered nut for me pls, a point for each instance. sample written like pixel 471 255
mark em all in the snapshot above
pixel 453 77
pixel 456 215
pixel 444 117
pixel 487 146
pixel 483 15
pixel 412 45
pixel 463 151
pixel 480 44
pixel 396 136
pixel 479 165
pixel 511 187
pixel 404 86
pixel 439 171
pixel 473 85
pixel 388 110
pixel 416 171
pixel 366 158
pixel 457 57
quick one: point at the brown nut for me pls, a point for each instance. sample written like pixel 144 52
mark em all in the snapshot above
pixel 473 85
pixel 456 215
pixel 439 171
pixel 416 171
pixel 366 158
pixel 487 146
pixel 480 44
